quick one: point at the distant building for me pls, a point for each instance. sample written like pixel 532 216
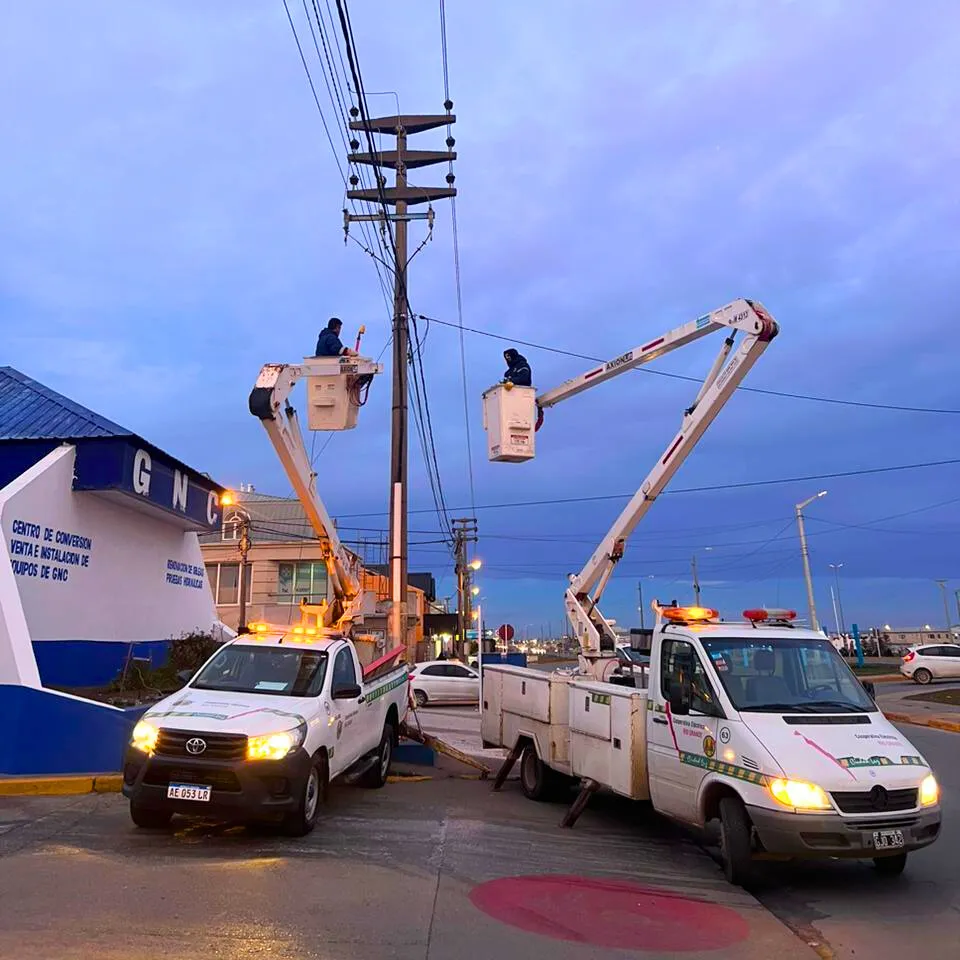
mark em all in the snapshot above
pixel 901 639
pixel 285 565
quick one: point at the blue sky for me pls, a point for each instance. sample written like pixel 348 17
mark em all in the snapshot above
pixel 172 220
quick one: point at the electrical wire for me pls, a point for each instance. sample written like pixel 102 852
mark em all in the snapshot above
pixel 680 376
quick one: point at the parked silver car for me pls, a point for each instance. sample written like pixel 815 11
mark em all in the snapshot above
pixel 444 681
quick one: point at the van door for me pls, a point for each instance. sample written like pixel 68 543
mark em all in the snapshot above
pixel 464 683
pixel 680 748
pixel 349 724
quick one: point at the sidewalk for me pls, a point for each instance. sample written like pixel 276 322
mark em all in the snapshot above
pixel 900 708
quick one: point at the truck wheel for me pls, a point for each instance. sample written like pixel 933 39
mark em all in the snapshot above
pixel 735 841
pixel 313 792
pixel 922 675
pixel 890 866
pixel 377 775
pixel 537 780
pixel 149 818
pixel 420 697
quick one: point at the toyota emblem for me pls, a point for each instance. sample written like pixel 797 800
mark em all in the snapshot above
pixel 196 746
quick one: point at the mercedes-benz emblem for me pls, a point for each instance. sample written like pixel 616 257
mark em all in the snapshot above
pixel 879 798
pixel 196 746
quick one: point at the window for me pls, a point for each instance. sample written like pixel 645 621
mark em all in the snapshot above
pixel 455 671
pixel 344 672
pixel 680 662
pixel 277 671
pixel 437 670
pixel 231 528
pixel 299 581
pixel 224 581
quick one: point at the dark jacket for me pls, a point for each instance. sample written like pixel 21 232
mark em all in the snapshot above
pixel 328 344
pixel 518 373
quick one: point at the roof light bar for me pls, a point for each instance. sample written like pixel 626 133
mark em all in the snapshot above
pixel 761 615
pixel 688 614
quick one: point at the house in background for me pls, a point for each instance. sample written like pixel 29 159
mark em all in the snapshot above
pixel 285 565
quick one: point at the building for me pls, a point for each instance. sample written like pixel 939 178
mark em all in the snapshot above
pixel 285 565
pixel 99 561
pixel 899 640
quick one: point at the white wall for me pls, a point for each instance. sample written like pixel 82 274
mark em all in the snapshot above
pixel 112 580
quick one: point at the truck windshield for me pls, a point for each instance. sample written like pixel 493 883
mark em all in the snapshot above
pixel 276 671
pixel 786 675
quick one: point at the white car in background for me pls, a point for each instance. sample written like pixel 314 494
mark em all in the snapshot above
pixel 444 681
pixel 933 661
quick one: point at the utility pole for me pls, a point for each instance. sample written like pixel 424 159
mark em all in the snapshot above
pixel 244 520
pixel 942 584
pixel 464 532
pixel 401 195
pixel 814 625
pixel 696 582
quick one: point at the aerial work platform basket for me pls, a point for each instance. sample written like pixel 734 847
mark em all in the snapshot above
pixel 510 421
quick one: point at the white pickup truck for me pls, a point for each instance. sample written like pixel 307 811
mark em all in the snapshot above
pixel 262 729
pixel 758 724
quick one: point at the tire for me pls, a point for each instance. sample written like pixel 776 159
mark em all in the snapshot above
pixel 313 793
pixel 420 697
pixel 890 866
pixel 735 846
pixel 922 676
pixel 149 818
pixel 537 780
pixel 376 777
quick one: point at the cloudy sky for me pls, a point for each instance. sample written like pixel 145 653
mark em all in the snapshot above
pixel 171 213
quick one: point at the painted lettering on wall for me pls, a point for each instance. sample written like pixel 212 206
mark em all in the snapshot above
pixel 46 553
pixel 185 574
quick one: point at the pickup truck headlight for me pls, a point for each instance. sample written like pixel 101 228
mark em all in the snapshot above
pixel 929 791
pixel 799 794
pixel 145 736
pixel 275 746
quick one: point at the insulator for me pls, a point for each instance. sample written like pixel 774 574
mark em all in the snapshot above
pixel 354 180
pixel 451 142
pixel 354 144
pixel 448 104
pixel 354 112
pixel 450 178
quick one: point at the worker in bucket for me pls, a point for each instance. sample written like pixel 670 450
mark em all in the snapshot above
pixel 328 343
pixel 518 370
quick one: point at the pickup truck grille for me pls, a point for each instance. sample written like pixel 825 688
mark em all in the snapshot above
pixel 877 800
pixel 219 746
pixel 161 774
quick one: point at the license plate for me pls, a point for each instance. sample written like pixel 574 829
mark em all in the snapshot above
pixel 887 839
pixel 191 791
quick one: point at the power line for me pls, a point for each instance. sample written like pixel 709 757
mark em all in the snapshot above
pixel 680 376
pixel 702 489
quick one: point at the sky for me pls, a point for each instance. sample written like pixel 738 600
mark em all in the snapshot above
pixel 172 216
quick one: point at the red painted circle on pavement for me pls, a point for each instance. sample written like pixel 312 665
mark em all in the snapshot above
pixel 616 914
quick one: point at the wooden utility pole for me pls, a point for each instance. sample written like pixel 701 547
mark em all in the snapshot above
pixel 464 532
pixel 401 195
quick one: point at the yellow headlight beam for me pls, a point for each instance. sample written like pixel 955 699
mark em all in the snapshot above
pixel 799 795
pixel 145 736
pixel 929 791
pixel 271 746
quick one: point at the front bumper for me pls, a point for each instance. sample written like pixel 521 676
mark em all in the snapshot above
pixel 253 788
pixel 831 835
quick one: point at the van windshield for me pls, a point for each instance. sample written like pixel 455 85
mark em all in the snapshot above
pixel 802 675
pixel 276 671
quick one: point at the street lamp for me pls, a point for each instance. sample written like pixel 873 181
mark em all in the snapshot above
pixel 475 564
pixel 838 611
pixel 814 625
pixel 640 591
pixel 696 579
pixel 475 591
pixel 942 584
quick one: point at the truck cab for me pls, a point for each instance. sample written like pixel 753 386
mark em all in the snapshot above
pixel 262 728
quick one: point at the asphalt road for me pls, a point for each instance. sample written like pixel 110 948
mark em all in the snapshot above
pixel 436 870
pixel 858 914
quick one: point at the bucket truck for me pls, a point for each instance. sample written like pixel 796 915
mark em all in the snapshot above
pixel 759 724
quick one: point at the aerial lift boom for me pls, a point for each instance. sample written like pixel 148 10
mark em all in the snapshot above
pixel 336 389
pixel 594 634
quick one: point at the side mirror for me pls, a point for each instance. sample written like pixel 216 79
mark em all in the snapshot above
pixel 346 691
pixel 870 688
pixel 680 699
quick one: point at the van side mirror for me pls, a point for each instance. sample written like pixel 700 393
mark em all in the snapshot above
pixel 680 698
pixel 870 688
pixel 346 691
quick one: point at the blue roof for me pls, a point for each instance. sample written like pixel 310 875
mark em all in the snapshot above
pixel 31 411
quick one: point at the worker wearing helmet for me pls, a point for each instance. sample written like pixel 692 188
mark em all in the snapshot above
pixel 329 344
pixel 518 370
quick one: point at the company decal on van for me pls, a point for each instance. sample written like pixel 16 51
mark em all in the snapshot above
pixel 907 761
pixel 386 688
pixel 727 769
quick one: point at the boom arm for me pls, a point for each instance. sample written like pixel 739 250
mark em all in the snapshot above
pixel 597 639
pixel 270 402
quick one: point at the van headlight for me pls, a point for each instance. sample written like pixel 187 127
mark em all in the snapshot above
pixel 275 746
pixel 799 794
pixel 929 791
pixel 145 736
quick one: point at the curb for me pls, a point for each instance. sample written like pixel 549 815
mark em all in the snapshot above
pixel 60 786
pixel 950 726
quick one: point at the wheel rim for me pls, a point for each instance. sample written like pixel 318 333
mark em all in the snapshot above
pixel 312 796
pixel 923 676
pixel 420 697
pixel 527 770
pixel 385 759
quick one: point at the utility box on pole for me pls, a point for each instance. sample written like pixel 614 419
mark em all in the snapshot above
pixel 510 422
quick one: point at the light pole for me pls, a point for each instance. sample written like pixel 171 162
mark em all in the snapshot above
pixel 242 519
pixel 814 625
pixel 650 577
pixel 841 625
pixel 696 579
pixel 942 584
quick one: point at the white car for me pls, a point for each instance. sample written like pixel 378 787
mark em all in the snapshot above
pixel 444 681
pixel 940 661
